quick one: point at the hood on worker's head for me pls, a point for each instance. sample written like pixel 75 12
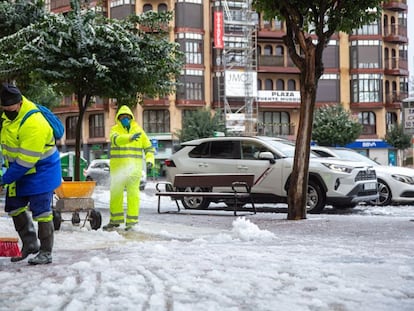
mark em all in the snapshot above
pixel 124 110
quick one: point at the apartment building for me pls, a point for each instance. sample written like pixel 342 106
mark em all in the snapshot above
pixel 237 62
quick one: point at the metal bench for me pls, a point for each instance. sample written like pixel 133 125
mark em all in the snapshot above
pixel 237 188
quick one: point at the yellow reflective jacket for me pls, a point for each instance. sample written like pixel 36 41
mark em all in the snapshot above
pixel 126 153
pixel 29 153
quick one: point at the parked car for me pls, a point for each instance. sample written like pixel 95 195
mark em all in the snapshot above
pixel 98 170
pixel 395 183
pixel 331 181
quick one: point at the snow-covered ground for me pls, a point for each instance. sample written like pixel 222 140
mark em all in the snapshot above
pixel 358 260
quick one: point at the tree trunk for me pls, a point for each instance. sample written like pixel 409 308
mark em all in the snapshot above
pixel 298 186
pixel 83 101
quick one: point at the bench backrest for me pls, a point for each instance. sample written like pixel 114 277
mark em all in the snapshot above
pixel 211 180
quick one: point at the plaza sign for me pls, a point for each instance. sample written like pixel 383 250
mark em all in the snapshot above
pixel 278 96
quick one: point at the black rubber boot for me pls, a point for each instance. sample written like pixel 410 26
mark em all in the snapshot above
pixel 25 228
pixel 46 233
pixel 110 227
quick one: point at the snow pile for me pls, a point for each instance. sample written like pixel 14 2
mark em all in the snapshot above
pixel 247 231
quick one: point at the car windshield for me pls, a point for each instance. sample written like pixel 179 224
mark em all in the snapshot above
pixel 354 156
pixel 285 147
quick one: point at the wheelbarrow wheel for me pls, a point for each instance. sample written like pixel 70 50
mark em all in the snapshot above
pixel 57 219
pixel 95 219
pixel 75 218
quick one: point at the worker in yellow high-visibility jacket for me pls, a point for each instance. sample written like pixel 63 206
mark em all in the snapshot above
pixel 130 150
pixel 33 173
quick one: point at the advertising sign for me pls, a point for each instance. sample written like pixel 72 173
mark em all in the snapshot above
pixel 235 122
pixel 241 83
pixel 218 30
pixel 409 118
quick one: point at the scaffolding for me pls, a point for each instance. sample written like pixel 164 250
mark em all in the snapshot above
pixel 237 74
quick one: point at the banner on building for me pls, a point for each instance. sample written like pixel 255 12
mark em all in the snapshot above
pixel 278 96
pixel 241 83
pixel 218 30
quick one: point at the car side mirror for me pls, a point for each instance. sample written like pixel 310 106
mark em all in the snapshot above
pixel 267 156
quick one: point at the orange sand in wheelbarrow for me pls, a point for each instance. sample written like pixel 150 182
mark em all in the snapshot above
pixel 75 189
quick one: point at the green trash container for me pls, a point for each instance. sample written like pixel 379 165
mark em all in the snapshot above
pixel 67 162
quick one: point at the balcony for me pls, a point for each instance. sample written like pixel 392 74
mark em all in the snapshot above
pixel 396 66
pixel 271 63
pixel 395 5
pixel 270 60
pixel 395 34
pixel 394 99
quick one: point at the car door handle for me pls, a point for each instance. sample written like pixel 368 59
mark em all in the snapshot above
pixel 243 167
pixel 202 165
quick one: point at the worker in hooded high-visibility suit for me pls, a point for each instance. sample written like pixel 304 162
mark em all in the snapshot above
pixel 33 173
pixel 130 150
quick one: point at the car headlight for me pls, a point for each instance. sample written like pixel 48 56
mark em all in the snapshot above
pixel 403 178
pixel 339 168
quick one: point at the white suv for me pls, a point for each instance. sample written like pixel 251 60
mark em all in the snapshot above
pixel 331 181
pixel 395 183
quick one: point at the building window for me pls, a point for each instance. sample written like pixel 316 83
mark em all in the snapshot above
pixel 162 8
pixel 192 86
pixel 147 7
pixel 391 120
pixel 328 89
pixel 71 127
pixel 259 84
pixel 367 119
pixel 193 52
pixel 366 88
pixel 280 85
pixel 291 85
pixel 192 46
pixel 279 50
pixel 366 54
pixel 156 121
pixel 268 50
pixel 194 91
pixel 96 125
pixel 278 24
pixel 331 55
pixel 370 29
pixel 269 84
pixel 273 123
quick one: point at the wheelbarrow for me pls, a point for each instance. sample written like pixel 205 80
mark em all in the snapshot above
pixel 75 197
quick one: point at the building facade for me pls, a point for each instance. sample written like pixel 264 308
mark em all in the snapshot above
pixel 237 62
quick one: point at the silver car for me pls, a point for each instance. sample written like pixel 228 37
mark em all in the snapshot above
pixel 98 170
pixel 395 183
pixel 331 181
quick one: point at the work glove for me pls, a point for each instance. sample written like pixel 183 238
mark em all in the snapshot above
pixel 135 136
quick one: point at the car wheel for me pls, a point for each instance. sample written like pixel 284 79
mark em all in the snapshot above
pixel 195 202
pixel 384 193
pixel 315 202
